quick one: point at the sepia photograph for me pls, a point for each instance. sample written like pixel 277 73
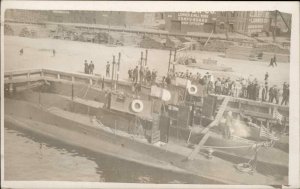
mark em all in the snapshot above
pixel 199 97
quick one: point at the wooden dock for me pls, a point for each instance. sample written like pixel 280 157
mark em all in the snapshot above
pixel 14 80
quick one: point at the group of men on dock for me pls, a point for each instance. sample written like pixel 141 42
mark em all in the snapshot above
pixel 249 88
pixel 89 68
pixel 144 74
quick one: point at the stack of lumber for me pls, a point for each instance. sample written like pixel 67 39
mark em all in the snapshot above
pixel 238 52
pixel 272 48
pixel 152 42
pixel 216 45
pixel 184 39
pixel 173 42
pixel 25 32
pixel 8 30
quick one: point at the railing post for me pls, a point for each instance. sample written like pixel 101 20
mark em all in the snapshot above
pixel 11 87
pixel 58 76
pixel 270 110
pixel 72 91
pixel 28 79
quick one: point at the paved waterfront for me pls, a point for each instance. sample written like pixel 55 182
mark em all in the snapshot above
pixel 70 56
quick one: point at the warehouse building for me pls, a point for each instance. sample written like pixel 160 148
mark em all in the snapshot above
pixel 246 22
pixel 87 17
pixel 183 22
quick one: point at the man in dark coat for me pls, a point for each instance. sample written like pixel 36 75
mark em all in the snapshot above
pixel 135 74
pixel 266 84
pixel 271 62
pixel 263 94
pixel 86 67
pixel 271 94
pixel 91 67
pixel 107 69
pixel 285 94
pixel 274 60
pixel 276 94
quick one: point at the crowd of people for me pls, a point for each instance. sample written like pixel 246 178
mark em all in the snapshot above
pixel 145 75
pixel 89 68
pixel 249 88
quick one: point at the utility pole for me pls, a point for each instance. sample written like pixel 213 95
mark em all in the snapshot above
pixel 118 70
pixel 72 92
pixel 169 61
pixel 141 67
pixel 112 74
pixel 227 25
pixel 146 58
pixel 142 54
pixel 275 26
pixel 175 53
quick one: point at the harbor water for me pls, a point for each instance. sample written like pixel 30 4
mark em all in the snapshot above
pixel 31 157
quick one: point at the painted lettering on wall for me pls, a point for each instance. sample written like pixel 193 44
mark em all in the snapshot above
pixel 194 18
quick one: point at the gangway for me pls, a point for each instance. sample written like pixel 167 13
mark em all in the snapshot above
pixel 205 131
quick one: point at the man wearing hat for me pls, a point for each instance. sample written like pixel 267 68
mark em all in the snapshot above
pixel 285 94
pixel 86 67
pixel 276 94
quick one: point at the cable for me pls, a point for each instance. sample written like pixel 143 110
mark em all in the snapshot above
pixel 227 147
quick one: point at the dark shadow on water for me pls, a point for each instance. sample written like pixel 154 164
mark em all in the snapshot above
pixel 112 169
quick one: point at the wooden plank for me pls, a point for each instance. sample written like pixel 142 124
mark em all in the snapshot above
pixel 206 130
pixel 250 113
pixel 22 80
pixel 252 102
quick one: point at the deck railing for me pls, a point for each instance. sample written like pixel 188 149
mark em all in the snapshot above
pixel 34 75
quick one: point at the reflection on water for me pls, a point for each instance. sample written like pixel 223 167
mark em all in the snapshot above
pixel 32 157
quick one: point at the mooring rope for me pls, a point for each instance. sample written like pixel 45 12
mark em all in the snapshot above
pixel 227 147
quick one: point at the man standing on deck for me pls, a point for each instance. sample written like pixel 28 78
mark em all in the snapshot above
pixel 217 86
pixel 228 124
pixel 274 60
pixel 91 67
pixel 86 67
pixel 271 94
pixel 141 75
pixel 285 94
pixel 266 84
pixel 135 74
pixel 53 52
pixel 276 94
pixel 21 52
pixel 130 74
pixel 249 87
pixel 264 94
pixel 257 89
pixel 244 88
pixel 107 69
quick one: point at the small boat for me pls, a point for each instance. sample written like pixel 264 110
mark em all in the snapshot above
pixel 206 64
